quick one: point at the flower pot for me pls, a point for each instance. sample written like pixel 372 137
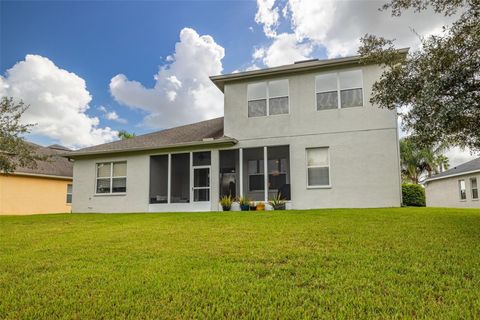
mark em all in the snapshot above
pixel 244 207
pixel 260 207
pixel 253 207
pixel 280 207
pixel 226 208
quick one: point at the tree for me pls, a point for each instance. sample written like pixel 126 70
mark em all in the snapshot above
pixel 14 150
pixel 439 84
pixel 418 162
pixel 124 134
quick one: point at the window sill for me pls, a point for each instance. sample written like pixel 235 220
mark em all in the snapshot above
pixel 319 187
pixel 110 194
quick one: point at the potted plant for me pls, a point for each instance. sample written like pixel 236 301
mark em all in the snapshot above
pixel 226 203
pixel 244 203
pixel 260 206
pixel 277 202
pixel 253 206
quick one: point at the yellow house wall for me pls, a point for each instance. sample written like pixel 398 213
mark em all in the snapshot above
pixel 32 195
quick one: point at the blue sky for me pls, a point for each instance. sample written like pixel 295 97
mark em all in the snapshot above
pixel 89 69
pixel 97 40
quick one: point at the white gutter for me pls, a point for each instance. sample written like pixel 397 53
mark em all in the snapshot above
pixel 39 175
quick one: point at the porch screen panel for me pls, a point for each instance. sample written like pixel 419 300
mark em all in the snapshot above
pixel 253 174
pixel 159 179
pixel 180 179
pixel 278 172
pixel 229 173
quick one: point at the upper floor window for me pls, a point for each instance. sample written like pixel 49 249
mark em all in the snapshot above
pixel 111 177
pixel 462 189
pixel 474 188
pixel 339 90
pixel 267 98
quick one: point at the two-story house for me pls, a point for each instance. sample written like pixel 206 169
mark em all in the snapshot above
pixel 305 131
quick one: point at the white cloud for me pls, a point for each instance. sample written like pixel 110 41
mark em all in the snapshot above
pixel 338 26
pixel 183 92
pixel 457 156
pixel 111 115
pixel 267 15
pixel 285 49
pixel 58 101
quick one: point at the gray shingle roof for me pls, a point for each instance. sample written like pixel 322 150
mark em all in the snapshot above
pixel 463 168
pixel 191 134
pixel 54 165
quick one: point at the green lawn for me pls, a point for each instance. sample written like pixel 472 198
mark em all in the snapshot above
pixel 358 263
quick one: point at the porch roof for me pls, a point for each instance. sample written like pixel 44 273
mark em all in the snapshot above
pixel 204 133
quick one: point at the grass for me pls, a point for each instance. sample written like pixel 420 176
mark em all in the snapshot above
pixel 355 263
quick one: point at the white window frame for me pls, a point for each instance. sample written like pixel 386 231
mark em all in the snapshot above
pixel 460 189
pixel 339 102
pixel 256 174
pixel 69 194
pixel 111 178
pixel 327 166
pixel 472 188
pixel 267 85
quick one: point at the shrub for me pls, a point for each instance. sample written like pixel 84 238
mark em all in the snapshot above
pixel 413 195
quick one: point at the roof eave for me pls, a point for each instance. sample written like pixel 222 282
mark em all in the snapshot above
pixel 219 80
pixel 220 141
pixel 453 175
pixel 40 175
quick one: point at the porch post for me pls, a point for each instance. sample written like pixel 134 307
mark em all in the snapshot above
pixel 265 172
pixel 191 178
pixel 169 175
pixel 240 171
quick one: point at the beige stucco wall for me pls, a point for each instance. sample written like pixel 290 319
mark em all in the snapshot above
pixel 446 193
pixel 32 195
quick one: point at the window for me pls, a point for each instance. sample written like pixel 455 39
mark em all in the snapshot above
pixel 111 177
pixel 267 98
pixel 474 188
pixel 339 90
pixel 256 181
pixel 462 189
pixel 69 192
pixel 318 171
pixel 326 88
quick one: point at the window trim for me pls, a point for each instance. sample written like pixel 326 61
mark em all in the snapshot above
pixel 460 189
pixel 329 186
pixel 267 97
pixel 111 177
pixel 339 102
pixel 471 188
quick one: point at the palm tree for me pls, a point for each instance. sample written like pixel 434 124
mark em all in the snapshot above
pixel 417 161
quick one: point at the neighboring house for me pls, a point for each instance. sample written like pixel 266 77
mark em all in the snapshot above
pixel 44 189
pixel 306 131
pixel 457 187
